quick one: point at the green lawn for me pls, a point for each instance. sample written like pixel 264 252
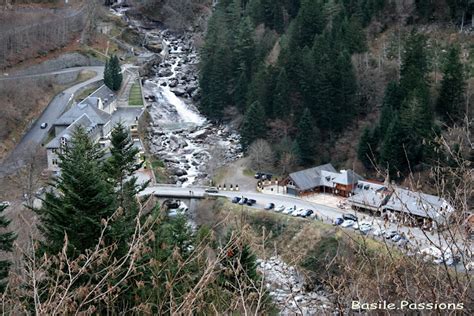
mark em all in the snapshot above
pixel 135 97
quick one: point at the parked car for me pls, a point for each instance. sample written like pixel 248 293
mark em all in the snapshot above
pixel 270 206
pixel 338 221
pixel 236 199
pixel 289 210
pixel 297 212
pixel 351 217
pixel 396 238
pixel 280 208
pixel 378 232
pixel 5 203
pixel 251 202
pixel 306 213
pixel 390 234
pixel 211 190
pixel 403 242
pixel 348 223
pixel 364 228
pixel 243 201
pixel 263 176
pixel 43 125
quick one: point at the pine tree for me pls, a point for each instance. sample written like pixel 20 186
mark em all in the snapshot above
pixel 281 97
pixel 367 148
pixel 391 104
pixel 113 73
pixel 309 22
pixel 6 245
pixel 123 160
pixel 414 68
pixel 306 138
pixel 253 126
pixel 450 104
pixel 82 198
pixel 393 152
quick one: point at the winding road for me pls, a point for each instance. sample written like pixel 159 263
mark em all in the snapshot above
pixel 418 238
pixel 35 135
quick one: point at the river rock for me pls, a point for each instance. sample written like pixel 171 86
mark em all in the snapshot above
pixel 156 47
pixel 179 91
pixel 165 72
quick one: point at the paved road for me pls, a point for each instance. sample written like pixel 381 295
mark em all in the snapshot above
pixel 327 213
pixel 56 107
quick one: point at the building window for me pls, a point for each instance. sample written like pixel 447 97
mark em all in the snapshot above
pixel 54 150
pixel 55 161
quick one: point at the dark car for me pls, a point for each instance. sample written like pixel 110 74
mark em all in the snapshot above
pixel 390 234
pixel 251 202
pixel 243 201
pixel 236 199
pixel 350 217
pixel 258 175
pixel 306 213
pixel 270 206
pixel 338 221
pixel 43 125
pixel 266 176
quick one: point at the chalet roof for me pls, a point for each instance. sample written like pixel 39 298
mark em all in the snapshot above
pixel 95 115
pixel 370 198
pixel 310 178
pixel 104 93
pixel 419 204
pixel 84 121
pixel 347 177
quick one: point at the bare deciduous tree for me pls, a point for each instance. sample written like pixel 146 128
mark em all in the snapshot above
pixel 261 155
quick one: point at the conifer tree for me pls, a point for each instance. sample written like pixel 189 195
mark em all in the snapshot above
pixel 113 73
pixel 6 245
pixel 306 138
pixel 450 104
pixel 391 104
pixel 281 97
pixel 414 66
pixel 82 198
pixel 367 148
pixel 392 152
pixel 253 126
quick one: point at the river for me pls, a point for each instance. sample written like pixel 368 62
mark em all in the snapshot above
pixel 191 147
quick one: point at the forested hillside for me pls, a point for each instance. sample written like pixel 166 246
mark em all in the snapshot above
pixel 307 75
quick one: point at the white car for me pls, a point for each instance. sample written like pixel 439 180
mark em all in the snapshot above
pixel 348 223
pixel 378 232
pixel 365 227
pixel 5 203
pixel 298 212
pixel 280 208
pixel 289 210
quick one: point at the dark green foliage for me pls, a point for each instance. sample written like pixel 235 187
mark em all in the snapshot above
pixel 414 63
pixel 84 198
pixel 366 151
pixel 281 97
pixel 391 104
pixel 113 73
pixel 451 101
pixel 6 245
pixel 319 258
pixel 253 126
pixel 306 138
pixel 393 153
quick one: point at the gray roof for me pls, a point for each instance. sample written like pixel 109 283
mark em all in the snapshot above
pixel 419 204
pixel 370 199
pixel 95 115
pixel 103 93
pixel 83 121
pixel 310 178
pixel 347 177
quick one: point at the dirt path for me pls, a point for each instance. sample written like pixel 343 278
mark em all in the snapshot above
pixel 233 173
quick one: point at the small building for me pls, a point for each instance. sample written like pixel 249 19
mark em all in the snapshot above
pixel 99 117
pixel 369 197
pixel 418 208
pixel 322 178
pixel 60 142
